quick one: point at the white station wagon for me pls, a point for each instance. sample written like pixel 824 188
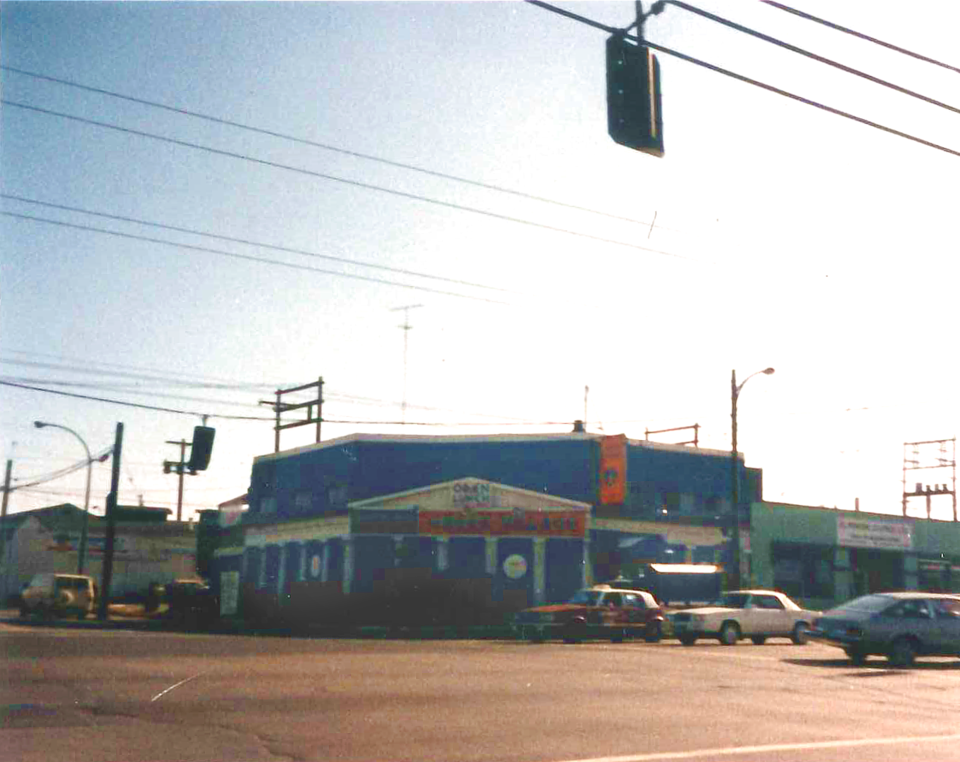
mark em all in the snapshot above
pixel 754 614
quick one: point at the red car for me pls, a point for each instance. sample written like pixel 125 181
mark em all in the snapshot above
pixel 600 611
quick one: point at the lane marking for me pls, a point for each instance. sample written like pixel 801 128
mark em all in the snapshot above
pixel 738 750
pixel 176 685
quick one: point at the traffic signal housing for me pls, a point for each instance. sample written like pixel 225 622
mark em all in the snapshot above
pixel 201 448
pixel 634 118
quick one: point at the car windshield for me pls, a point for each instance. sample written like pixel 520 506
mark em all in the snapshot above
pixel 587 597
pixel 731 601
pixel 867 603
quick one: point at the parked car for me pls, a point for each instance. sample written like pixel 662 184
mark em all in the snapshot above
pixel 754 614
pixel 52 594
pixel 600 611
pixel 191 598
pixel 900 626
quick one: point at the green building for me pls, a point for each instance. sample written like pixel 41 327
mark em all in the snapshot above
pixel 824 556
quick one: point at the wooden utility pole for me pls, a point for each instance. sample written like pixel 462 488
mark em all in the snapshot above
pixel 107 574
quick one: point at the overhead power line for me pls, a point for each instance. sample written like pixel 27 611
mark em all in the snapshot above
pixel 90 366
pixel 742 78
pixel 335 149
pixel 808 54
pixel 345 181
pixel 245 257
pixel 248 242
pixel 861 35
pixel 134 404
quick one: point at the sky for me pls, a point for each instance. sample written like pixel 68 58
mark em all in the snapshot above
pixel 324 174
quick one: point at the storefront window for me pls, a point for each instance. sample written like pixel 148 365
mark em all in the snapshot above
pixel 939 575
pixel 803 571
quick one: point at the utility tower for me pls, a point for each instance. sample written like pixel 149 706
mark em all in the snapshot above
pixel 939 454
pixel 406 330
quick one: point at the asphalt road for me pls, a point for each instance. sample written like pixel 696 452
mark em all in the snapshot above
pixel 92 694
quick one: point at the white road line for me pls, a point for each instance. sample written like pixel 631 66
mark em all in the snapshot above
pixel 175 685
pixel 739 750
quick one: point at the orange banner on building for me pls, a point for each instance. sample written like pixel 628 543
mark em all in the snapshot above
pixel 613 470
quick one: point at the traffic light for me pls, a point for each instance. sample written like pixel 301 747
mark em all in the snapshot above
pixel 634 118
pixel 201 448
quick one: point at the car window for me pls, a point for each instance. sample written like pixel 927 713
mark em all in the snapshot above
pixel 633 601
pixel 732 601
pixel 767 602
pixel 911 609
pixel 944 608
pixel 586 597
pixel 870 603
pixel 612 599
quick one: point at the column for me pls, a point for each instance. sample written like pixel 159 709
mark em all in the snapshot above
pixel 443 553
pixel 491 547
pixel 539 570
pixel 325 561
pixel 282 573
pixel 843 586
pixel 347 564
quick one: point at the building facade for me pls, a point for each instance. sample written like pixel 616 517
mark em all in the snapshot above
pixel 825 556
pixel 147 549
pixel 466 526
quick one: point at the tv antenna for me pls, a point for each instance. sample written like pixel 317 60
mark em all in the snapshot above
pixel 406 330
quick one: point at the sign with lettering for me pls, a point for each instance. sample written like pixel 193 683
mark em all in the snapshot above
pixel 500 522
pixel 862 532
pixel 470 496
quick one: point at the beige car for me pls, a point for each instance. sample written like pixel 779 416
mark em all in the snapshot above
pixel 59 595
pixel 754 614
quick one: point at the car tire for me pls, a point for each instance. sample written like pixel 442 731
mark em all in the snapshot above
pixel 758 640
pixel 654 635
pixel 800 636
pixel 688 640
pixel 574 632
pixel 902 653
pixel 857 658
pixel 729 633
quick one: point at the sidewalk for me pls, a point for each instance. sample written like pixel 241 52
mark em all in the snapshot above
pixel 133 617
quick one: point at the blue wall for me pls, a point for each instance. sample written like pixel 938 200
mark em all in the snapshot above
pixel 322 480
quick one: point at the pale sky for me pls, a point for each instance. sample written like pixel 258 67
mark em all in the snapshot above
pixel 770 234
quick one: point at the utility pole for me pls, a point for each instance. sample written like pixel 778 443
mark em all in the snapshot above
pixel 180 467
pixel 406 329
pixel 107 575
pixel 3 517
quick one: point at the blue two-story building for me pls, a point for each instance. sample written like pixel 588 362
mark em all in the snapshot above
pixel 468 524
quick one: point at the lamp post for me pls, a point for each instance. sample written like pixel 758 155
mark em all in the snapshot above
pixel 735 389
pixel 86 499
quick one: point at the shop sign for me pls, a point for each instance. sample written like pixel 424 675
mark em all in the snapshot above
pixel 229 592
pixel 383 521
pixel 517 522
pixel 471 496
pixel 861 532
pixel 613 470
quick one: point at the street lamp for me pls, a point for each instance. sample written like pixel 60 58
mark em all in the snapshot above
pixel 734 578
pixel 86 499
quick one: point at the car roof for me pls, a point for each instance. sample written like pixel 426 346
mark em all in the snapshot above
pixel 608 589
pixel 907 594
